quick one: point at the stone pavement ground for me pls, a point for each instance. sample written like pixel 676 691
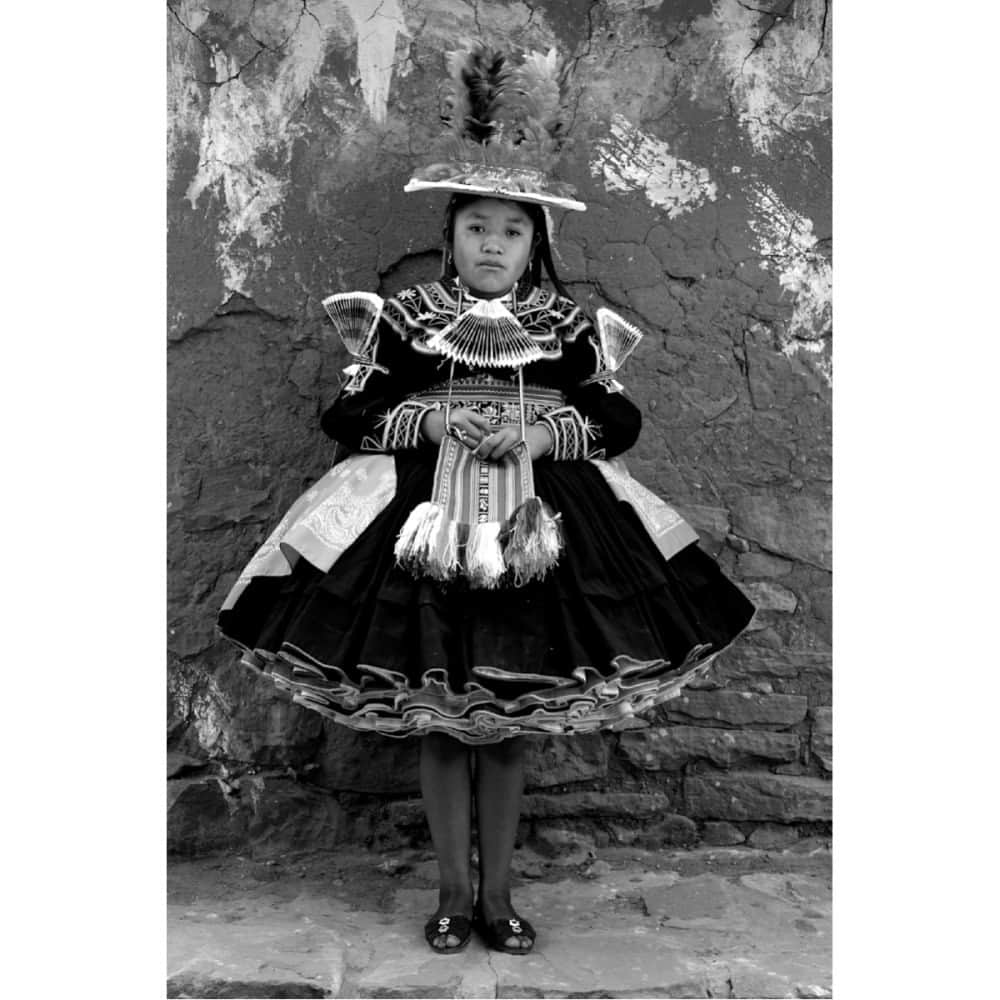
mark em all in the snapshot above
pixel 721 922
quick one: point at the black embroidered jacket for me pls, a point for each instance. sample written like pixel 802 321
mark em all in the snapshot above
pixel 382 411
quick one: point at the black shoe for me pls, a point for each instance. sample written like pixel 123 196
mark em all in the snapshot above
pixel 496 932
pixel 455 925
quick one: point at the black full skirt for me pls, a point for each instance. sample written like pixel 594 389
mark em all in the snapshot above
pixel 611 631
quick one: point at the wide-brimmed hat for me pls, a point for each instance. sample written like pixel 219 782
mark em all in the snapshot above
pixel 506 130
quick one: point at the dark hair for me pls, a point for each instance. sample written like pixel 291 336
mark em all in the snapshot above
pixel 542 255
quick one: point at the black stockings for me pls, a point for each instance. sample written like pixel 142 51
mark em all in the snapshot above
pixel 446 783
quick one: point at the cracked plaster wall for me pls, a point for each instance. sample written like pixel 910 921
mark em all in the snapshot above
pixel 706 168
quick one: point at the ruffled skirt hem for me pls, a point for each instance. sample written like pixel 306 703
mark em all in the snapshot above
pixel 385 702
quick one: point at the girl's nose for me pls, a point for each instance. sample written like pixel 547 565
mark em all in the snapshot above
pixel 491 244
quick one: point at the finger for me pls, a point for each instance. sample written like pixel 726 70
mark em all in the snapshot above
pixel 475 431
pixel 502 442
pixel 458 432
pixel 487 447
pixel 472 435
pixel 481 437
pixel 483 447
pixel 478 421
pixel 473 425
pixel 460 417
pixel 506 445
pixel 463 429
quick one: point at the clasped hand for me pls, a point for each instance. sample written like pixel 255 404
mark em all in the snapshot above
pixel 483 439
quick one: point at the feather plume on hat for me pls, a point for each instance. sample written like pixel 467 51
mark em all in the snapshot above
pixel 506 129
pixel 478 78
pixel 538 104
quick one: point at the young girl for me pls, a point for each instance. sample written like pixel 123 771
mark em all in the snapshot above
pixel 479 570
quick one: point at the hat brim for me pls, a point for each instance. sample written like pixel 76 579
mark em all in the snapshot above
pixel 487 191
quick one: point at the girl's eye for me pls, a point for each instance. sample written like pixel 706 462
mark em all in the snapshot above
pixel 513 232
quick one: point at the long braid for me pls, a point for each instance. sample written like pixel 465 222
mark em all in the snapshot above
pixel 543 256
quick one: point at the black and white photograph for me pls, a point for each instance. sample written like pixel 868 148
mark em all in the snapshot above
pixel 421 445
pixel 499 475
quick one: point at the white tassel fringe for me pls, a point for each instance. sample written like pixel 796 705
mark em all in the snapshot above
pixel 413 542
pixel 427 545
pixel 484 563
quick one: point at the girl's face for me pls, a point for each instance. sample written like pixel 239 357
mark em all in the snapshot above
pixel 492 245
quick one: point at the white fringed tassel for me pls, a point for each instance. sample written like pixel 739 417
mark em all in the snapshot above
pixel 534 543
pixel 413 544
pixel 443 563
pixel 484 564
pixel 428 545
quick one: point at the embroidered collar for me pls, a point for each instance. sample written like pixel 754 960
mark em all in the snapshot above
pixel 417 313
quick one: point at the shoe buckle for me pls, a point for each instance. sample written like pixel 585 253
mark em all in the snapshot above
pixel 443 924
pixel 515 925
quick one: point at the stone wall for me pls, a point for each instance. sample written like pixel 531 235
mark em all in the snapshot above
pixel 706 168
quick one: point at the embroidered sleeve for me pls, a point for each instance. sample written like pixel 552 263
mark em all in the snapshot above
pixel 607 422
pixel 398 427
pixel 573 435
pixel 375 413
